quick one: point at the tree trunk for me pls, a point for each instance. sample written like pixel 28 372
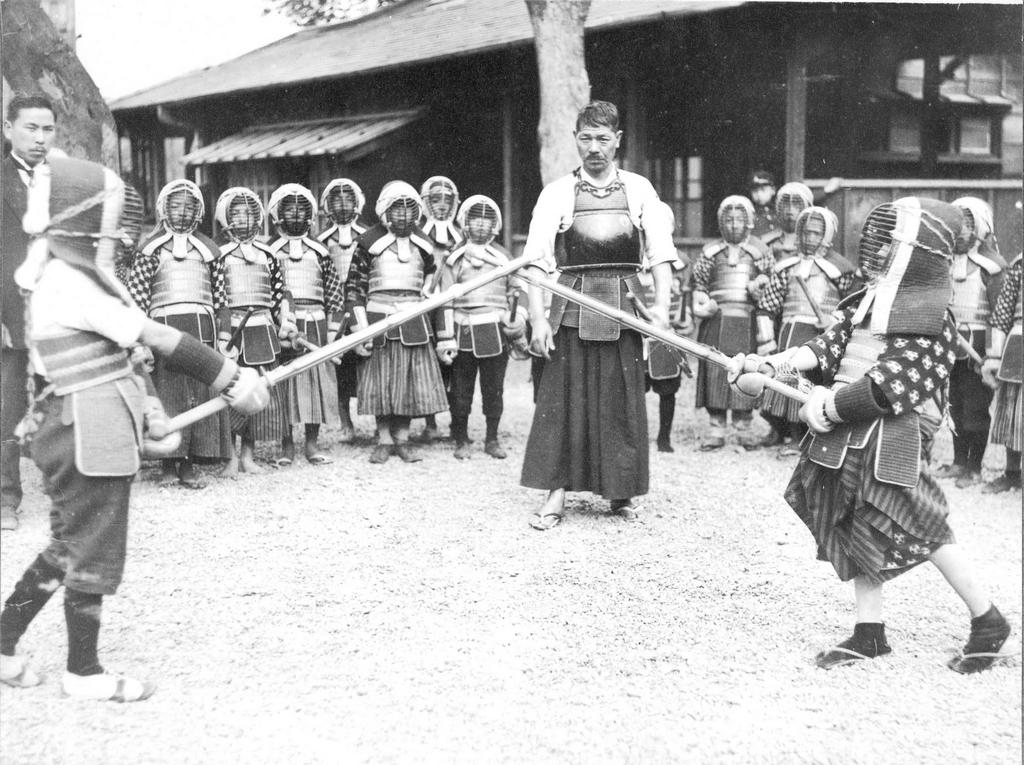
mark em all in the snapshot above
pixel 564 84
pixel 36 60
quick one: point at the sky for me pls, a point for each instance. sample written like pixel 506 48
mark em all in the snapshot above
pixel 127 45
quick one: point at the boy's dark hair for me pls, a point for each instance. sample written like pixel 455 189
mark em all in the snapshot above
pixel 598 114
pixel 24 101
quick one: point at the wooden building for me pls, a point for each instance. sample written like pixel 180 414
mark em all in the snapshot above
pixel 894 98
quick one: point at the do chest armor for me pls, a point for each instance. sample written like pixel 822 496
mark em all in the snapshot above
pixel 184 280
pixel 729 283
pixel 303 277
pixel 798 308
pixel 78 360
pixel 389 272
pixel 601 234
pixel 248 284
pixel 341 254
pixel 970 301
pixel 491 295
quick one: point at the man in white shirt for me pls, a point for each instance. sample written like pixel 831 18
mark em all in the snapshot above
pixel 594 227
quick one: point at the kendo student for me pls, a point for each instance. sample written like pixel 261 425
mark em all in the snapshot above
pixel 977 278
pixel 802 292
pixel 343 201
pixel 728 277
pixel 171 280
pixel 476 328
pixel 253 316
pixel 311 397
pixel 92 412
pixel 401 378
pixel 861 485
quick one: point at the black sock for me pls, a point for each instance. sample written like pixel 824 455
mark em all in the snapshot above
pixel 492 429
pixel 976 445
pixel 460 429
pixel 37 585
pixel 868 639
pixel 961 450
pixel 666 413
pixel 82 613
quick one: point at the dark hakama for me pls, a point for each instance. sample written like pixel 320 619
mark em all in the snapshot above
pixel 862 525
pixel 259 341
pixel 401 380
pixel 731 335
pixel 210 437
pixel 589 429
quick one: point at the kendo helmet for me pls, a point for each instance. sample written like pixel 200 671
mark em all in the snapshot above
pixel 480 219
pixel 180 206
pixel 792 199
pixel 440 198
pixel 738 213
pixel 84 214
pixel 342 200
pixel 905 251
pixel 240 213
pixel 818 219
pixel 399 208
pixel 292 209
pixel 977 222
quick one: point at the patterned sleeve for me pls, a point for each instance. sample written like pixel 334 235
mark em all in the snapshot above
pixel 140 279
pixel 1006 304
pixel 276 287
pixel 702 273
pixel 830 346
pixel 219 282
pixel 357 285
pixel 774 294
pixel 430 261
pixel 765 262
pixel 333 299
pixel 914 368
pixel 847 284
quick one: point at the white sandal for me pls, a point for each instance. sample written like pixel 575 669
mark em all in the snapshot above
pixel 106 687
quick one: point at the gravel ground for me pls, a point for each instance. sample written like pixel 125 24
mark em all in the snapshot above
pixel 357 613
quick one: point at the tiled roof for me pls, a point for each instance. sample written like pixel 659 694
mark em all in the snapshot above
pixel 349 137
pixel 414 31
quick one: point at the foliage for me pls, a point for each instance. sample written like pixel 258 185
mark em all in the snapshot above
pixel 308 13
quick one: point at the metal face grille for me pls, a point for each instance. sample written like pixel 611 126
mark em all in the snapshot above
pixel 294 214
pixel 441 199
pixel 876 241
pixel 244 217
pixel 342 205
pixel 481 223
pixel 181 209
pixel 402 216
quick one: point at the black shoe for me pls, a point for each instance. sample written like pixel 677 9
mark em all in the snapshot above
pixel 868 642
pixel 988 633
pixel 665 445
pixel 462 451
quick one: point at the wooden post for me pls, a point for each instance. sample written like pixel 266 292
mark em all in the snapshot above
pixel 796 114
pixel 930 119
pixel 636 130
pixel 507 203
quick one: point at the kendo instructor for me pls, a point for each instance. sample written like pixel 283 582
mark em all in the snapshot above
pixel 596 228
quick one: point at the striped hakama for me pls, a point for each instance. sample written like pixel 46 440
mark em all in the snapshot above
pixel 792 334
pixel 311 398
pixel 862 525
pixel 731 335
pixel 589 430
pixel 1007 420
pixel 401 380
pixel 208 438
